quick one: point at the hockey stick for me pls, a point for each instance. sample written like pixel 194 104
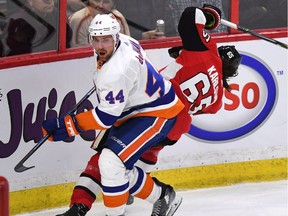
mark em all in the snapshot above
pixel 243 29
pixel 20 166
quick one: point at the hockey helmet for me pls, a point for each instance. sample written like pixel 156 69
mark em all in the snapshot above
pixel 104 24
pixel 231 60
pixel 230 56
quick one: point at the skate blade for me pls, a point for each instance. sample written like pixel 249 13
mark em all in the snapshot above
pixel 174 206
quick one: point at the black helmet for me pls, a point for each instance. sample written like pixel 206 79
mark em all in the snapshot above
pixel 231 60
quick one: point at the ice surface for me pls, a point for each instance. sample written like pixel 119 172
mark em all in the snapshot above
pixel 251 199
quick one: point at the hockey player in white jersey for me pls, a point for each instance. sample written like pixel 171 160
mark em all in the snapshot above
pixel 138 106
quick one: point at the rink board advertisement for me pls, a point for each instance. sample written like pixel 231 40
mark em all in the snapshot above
pixel 251 125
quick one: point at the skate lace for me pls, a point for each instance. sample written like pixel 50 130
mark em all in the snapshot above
pixel 156 208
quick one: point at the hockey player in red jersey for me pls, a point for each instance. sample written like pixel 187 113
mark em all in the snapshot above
pixel 199 75
pixel 201 70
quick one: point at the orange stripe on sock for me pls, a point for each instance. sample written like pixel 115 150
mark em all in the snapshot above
pixel 147 188
pixel 142 139
pixel 116 201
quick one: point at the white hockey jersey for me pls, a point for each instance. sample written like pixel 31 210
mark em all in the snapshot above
pixel 128 85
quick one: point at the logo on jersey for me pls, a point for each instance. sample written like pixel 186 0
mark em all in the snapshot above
pixel 247 107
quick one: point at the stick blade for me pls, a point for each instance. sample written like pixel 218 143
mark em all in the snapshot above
pixel 22 168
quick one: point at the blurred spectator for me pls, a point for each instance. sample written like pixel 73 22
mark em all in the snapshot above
pixel 142 16
pixel 3 7
pixel 33 28
pixel 20 36
pixel 2 15
pixel 261 14
pixel 81 20
pixel 73 6
pixel 177 6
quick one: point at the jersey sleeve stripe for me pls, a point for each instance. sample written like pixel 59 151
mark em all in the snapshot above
pixel 89 121
pixel 169 104
pixel 106 118
pixel 168 111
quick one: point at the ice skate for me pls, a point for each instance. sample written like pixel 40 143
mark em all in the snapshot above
pixel 76 210
pixel 168 202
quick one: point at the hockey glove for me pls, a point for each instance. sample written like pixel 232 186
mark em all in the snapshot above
pixel 174 52
pixel 213 16
pixel 61 128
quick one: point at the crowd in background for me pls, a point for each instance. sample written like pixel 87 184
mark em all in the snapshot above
pixel 28 26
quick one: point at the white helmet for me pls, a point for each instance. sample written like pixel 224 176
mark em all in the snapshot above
pixel 104 24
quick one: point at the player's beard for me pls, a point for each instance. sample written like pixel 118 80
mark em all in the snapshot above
pixel 104 55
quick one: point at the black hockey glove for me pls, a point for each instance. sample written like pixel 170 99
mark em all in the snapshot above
pixel 213 16
pixel 175 51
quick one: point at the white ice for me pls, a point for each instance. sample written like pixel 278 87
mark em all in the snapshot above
pixel 251 199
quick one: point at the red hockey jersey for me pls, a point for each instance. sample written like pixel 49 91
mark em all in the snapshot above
pixel 196 75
